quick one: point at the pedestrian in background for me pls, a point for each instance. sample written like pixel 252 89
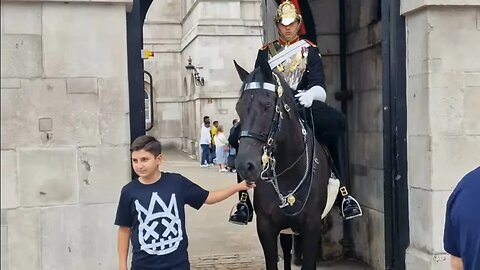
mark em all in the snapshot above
pixel 220 149
pixel 213 152
pixel 232 147
pixel 205 143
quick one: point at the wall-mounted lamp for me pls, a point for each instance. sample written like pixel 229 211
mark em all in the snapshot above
pixel 196 75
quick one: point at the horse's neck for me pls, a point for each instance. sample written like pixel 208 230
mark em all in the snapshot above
pixel 294 145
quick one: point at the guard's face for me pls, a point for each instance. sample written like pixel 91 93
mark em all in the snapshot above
pixel 288 32
pixel 145 164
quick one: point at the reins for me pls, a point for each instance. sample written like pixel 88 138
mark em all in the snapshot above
pixel 268 157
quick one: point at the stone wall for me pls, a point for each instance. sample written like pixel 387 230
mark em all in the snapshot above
pixel 364 73
pixel 213 34
pixel 364 79
pixel 64 132
pixel 443 90
pixel 327 26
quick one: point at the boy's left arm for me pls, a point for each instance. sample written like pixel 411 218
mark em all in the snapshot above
pixel 220 195
pixel 122 246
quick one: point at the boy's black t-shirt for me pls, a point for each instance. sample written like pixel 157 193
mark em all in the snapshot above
pixel 156 215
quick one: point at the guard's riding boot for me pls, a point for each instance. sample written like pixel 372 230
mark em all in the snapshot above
pixel 242 214
pixel 349 208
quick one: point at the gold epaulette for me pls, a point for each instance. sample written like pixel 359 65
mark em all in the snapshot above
pixel 311 43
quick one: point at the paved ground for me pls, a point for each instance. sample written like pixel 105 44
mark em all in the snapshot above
pixel 214 242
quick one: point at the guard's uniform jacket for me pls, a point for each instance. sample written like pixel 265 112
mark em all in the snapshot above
pixel 302 69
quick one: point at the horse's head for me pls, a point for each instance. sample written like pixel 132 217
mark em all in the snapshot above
pixel 264 102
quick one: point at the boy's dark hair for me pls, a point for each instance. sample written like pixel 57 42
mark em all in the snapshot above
pixel 147 143
pixel 215 122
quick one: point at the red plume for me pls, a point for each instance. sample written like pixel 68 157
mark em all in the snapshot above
pixel 302 30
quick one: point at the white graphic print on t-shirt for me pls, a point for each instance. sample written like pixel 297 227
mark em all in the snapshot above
pixel 149 228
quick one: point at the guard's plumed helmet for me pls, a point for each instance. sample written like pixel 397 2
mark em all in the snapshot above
pixel 287 13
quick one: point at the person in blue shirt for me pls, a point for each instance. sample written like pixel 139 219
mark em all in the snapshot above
pixel 151 211
pixel 461 237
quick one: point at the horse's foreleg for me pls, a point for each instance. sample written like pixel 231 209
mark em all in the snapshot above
pixel 268 239
pixel 286 243
pixel 297 249
pixel 310 249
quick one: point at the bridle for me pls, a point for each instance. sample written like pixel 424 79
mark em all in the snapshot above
pixel 276 125
pixel 269 173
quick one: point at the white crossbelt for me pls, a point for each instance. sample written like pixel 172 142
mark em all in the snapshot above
pixel 287 53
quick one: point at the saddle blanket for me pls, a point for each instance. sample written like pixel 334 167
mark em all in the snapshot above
pixel 332 191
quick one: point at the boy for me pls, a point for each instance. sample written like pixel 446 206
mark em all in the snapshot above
pixel 151 211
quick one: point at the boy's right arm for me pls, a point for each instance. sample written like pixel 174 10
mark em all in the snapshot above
pixel 220 195
pixel 123 244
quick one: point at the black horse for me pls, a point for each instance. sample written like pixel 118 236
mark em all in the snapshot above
pixel 278 152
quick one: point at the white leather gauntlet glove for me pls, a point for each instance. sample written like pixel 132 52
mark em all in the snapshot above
pixel 306 98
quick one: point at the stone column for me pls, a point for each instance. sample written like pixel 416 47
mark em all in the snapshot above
pixel 443 93
pixel 64 132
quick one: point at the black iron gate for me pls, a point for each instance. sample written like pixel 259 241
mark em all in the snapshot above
pixel 136 96
pixel 136 92
pixel 394 135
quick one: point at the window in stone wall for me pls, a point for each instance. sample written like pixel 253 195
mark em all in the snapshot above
pixel 148 109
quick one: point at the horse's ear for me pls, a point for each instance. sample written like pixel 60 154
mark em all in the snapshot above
pixel 266 71
pixel 242 73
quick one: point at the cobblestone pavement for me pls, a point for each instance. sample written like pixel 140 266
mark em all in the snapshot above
pixel 214 243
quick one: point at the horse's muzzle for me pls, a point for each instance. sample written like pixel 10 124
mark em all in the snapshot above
pixel 248 169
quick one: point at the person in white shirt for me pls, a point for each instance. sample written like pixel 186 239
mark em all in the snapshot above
pixel 220 144
pixel 205 143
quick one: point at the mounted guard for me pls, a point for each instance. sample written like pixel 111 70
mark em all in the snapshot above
pixel 299 63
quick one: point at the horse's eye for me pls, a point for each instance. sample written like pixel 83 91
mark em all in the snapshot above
pixel 268 105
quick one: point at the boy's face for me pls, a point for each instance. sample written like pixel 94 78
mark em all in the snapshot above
pixel 145 164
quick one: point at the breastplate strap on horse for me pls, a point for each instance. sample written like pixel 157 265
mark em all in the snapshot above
pixel 293 202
